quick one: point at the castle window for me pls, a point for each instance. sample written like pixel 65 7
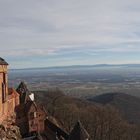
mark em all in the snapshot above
pixel 33 115
pixel 4 88
pixel 3 93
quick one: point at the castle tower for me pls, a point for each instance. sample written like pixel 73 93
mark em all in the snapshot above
pixel 3 88
pixel 23 92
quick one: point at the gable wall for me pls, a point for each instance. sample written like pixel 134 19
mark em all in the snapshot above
pixel 36 119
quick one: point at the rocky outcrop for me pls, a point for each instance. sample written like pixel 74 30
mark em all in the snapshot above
pixel 9 131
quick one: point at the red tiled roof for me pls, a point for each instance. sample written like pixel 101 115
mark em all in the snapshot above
pixel 12 93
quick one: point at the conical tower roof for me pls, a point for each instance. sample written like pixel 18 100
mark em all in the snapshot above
pixel 78 132
pixel 3 62
pixel 23 91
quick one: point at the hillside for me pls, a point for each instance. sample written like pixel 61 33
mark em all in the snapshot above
pixel 128 105
pixel 101 122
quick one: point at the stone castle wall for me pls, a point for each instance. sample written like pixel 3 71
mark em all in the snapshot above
pixel 8 101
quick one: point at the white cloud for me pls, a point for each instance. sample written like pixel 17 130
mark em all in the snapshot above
pixel 45 27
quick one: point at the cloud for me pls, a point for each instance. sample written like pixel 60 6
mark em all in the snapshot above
pixel 52 28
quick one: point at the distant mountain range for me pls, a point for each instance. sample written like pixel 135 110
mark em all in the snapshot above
pixel 128 105
pixel 84 66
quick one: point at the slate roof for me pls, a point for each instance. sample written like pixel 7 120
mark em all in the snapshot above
pixel 25 108
pixel 55 129
pixel 3 62
pixel 38 107
pixel 78 132
pixel 23 91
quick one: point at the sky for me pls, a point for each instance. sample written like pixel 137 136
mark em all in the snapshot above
pixel 44 33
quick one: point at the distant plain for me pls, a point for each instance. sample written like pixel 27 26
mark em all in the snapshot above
pixel 81 81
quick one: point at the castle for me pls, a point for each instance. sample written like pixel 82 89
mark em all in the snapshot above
pixel 31 118
pixel 9 98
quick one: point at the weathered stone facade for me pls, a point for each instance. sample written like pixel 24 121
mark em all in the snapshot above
pixel 9 98
pixel 30 118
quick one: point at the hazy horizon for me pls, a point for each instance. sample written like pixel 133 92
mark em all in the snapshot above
pixel 84 65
